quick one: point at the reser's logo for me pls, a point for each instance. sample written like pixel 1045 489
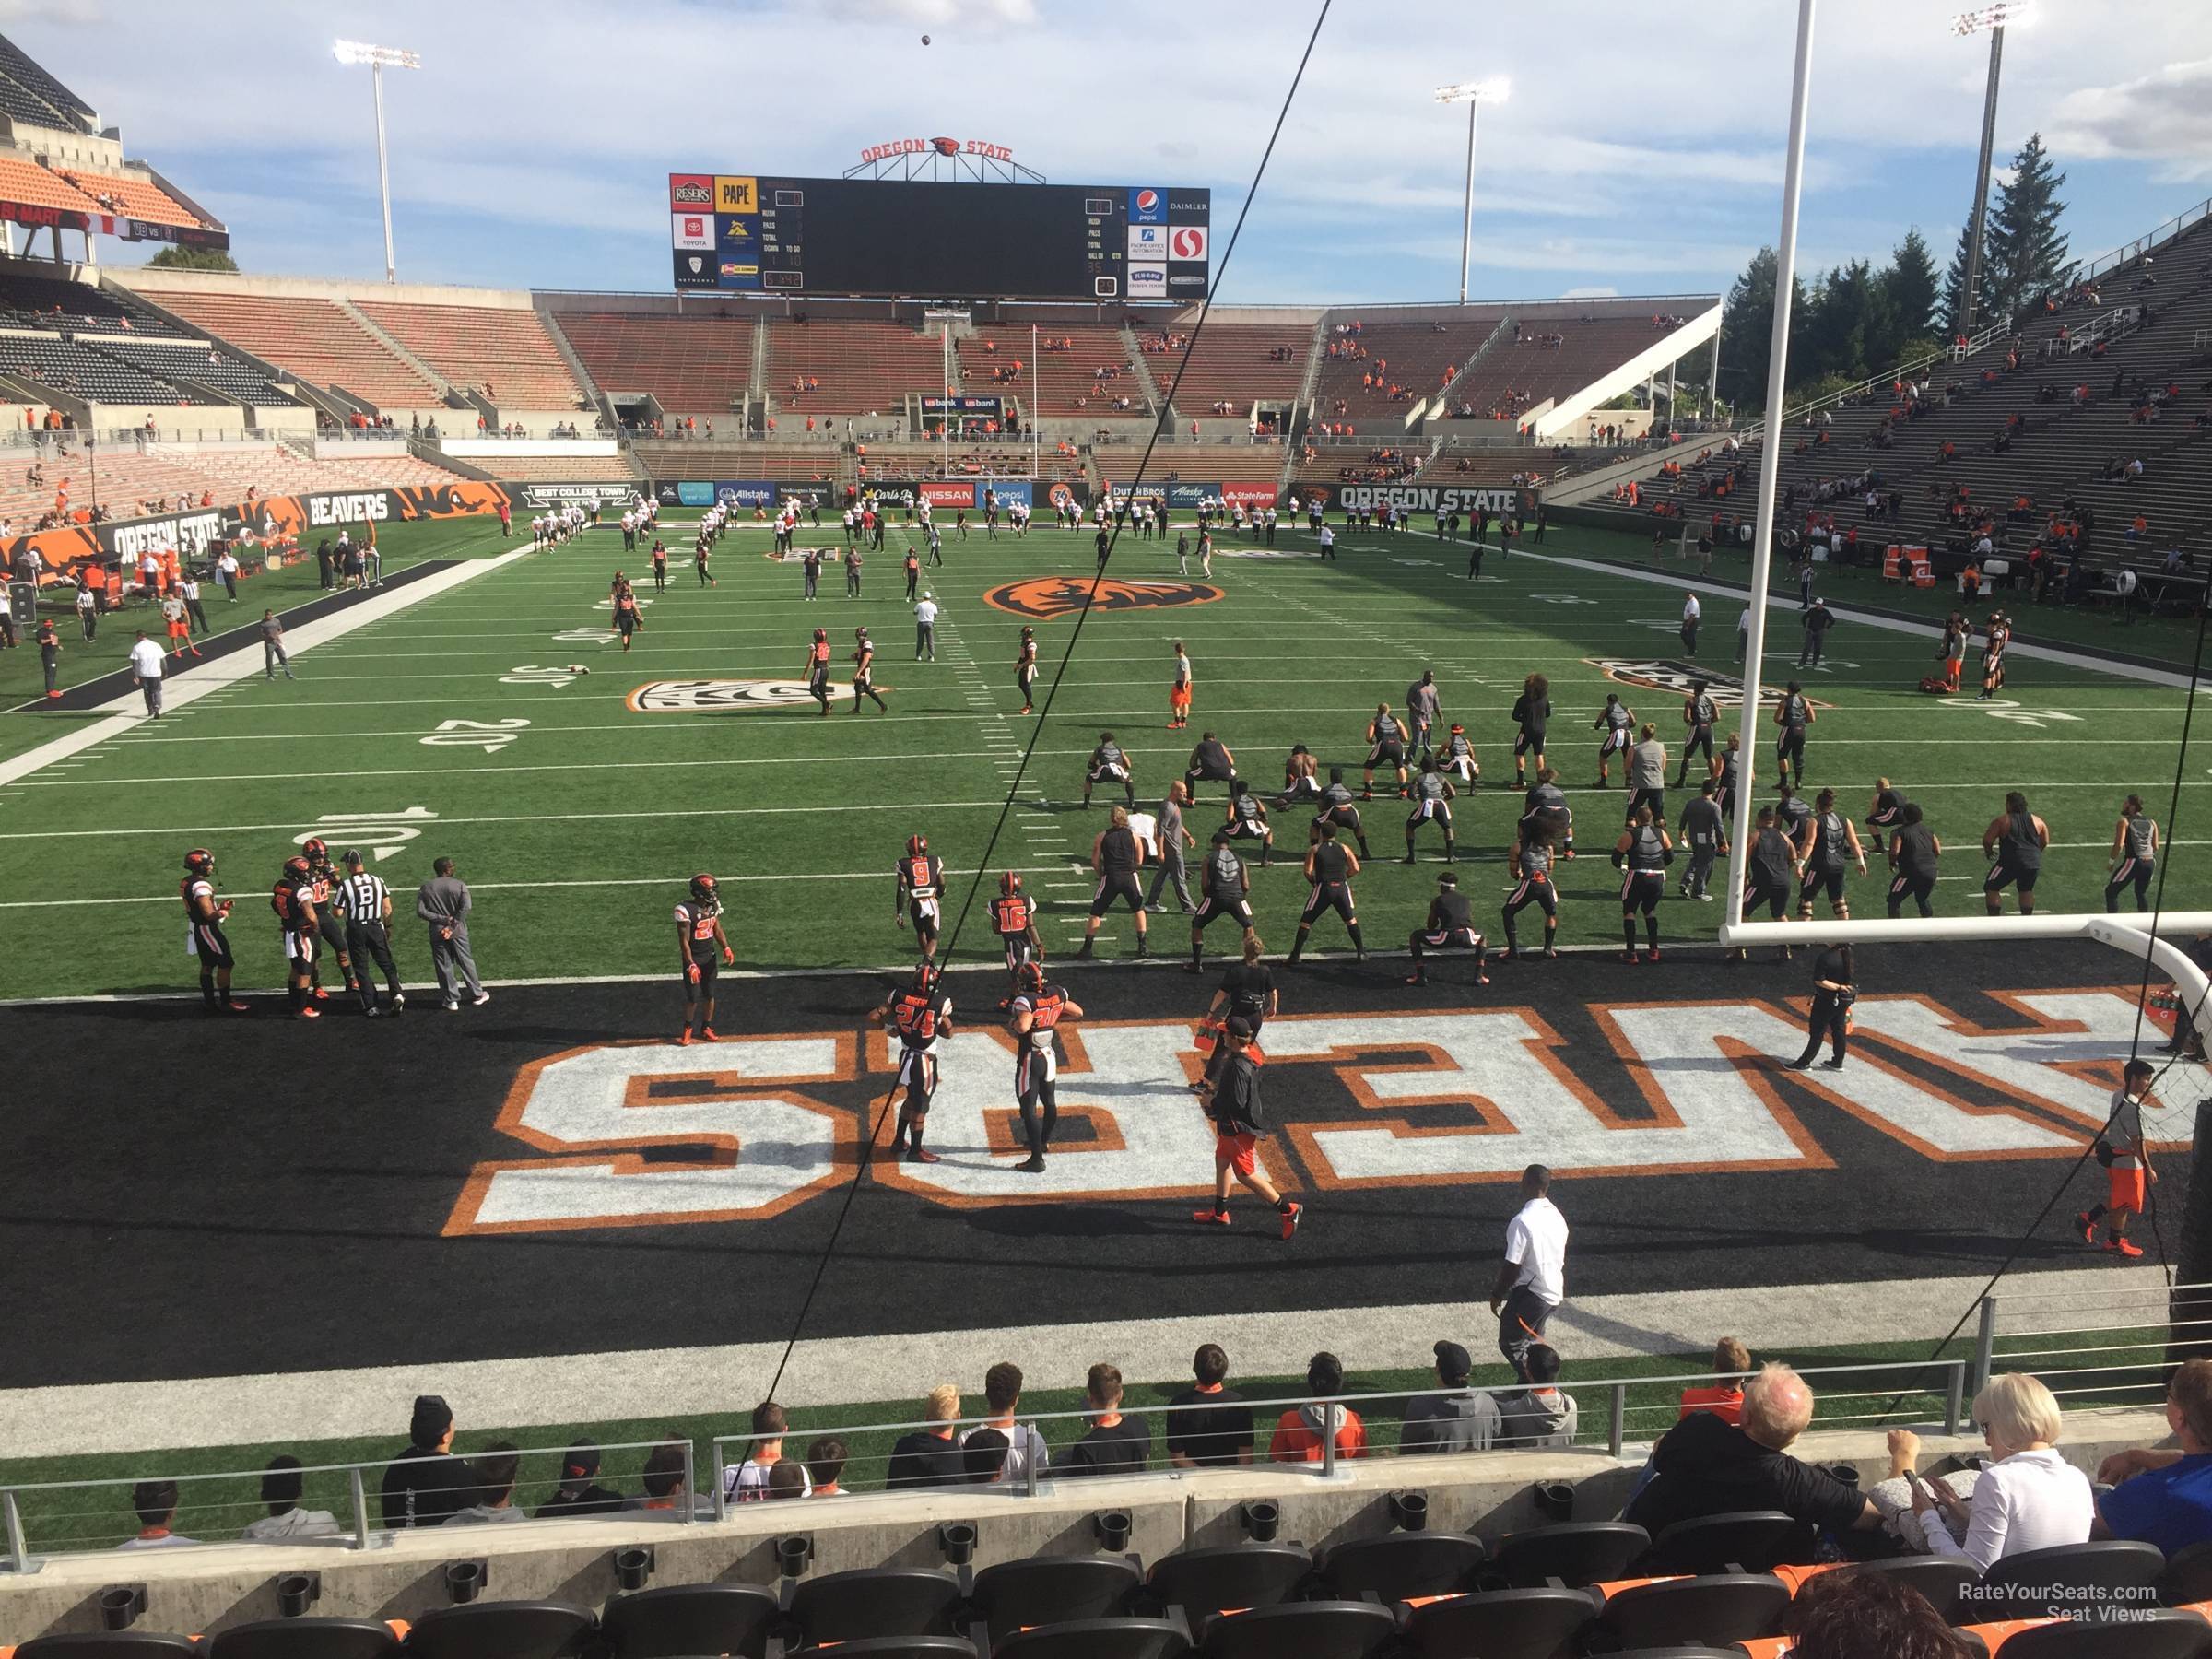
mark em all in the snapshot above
pixel 720 695
pixel 1046 597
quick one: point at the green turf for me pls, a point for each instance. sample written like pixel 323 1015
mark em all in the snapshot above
pixel 82 1517
pixel 580 833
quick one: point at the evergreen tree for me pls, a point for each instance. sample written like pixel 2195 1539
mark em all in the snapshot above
pixel 1911 283
pixel 1747 331
pixel 1953 310
pixel 180 258
pixel 2022 251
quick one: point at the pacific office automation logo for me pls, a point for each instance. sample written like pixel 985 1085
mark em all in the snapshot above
pixel 1046 597
pixel 720 695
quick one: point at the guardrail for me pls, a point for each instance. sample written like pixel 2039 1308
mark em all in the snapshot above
pixel 2142 245
pixel 2104 1348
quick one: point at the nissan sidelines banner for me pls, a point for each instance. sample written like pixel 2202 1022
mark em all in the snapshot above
pixel 1425 497
pixel 947 492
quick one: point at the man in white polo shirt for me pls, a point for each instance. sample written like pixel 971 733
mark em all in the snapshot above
pixel 145 666
pixel 1532 1281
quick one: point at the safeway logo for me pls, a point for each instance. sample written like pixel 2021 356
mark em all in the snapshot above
pixel 1186 242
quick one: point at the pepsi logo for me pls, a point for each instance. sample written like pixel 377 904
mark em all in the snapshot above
pixel 1147 200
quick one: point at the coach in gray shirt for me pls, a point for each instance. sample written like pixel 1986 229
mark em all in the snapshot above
pixel 1173 838
pixel 444 903
pixel 1647 774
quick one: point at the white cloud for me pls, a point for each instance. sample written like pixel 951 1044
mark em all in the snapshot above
pixel 2164 117
pixel 1591 293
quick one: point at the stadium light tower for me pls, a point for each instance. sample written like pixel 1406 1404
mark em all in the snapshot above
pixel 1474 94
pixel 379 59
pixel 1994 18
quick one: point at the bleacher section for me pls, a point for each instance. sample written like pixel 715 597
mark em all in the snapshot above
pixel 203 363
pixel 1230 366
pixel 1417 357
pixel 79 371
pixel 793 463
pixel 693 365
pixel 128 479
pixel 1065 364
pixel 928 460
pixel 131 356
pixel 312 338
pixel 2057 454
pixel 27 182
pixel 506 355
pixel 138 199
pixel 1552 353
pixel 848 367
pixel 578 469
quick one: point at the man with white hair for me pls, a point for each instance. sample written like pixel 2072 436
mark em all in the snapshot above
pixel 1706 1466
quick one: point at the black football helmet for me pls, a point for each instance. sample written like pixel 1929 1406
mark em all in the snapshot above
pixel 317 851
pixel 1009 883
pixel 916 845
pixel 297 869
pixel 1032 977
pixel 704 891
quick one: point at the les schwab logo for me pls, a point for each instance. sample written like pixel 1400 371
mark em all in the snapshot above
pixel 1046 597
pixel 648 1134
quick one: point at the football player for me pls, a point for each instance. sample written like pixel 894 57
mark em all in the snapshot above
pixel 1330 868
pixel 864 672
pixel 329 925
pixel 920 883
pixel 1450 926
pixel 1433 794
pixel 1110 764
pixel 1039 1007
pixel 626 620
pixel 1997 633
pixel 1338 813
pixel 1014 920
pixel 1457 760
pixel 1642 855
pixel 1247 820
pixel 1386 741
pixel 1617 721
pixel 293 900
pixel 1530 863
pixel 1224 889
pixel 1025 668
pixel 1698 712
pixel 922 1015
pixel 702 949
pixel 817 669
pixel 204 918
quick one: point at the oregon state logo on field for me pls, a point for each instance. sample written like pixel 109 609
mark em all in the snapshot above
pixel 720 695
pixel 1046 597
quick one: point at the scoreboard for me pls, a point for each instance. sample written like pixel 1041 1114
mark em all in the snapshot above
pixel 750 234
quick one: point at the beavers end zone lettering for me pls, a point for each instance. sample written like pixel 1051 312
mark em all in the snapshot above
pixel 651 1133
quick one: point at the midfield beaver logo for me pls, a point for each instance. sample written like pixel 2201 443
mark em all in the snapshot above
pixel 1046 597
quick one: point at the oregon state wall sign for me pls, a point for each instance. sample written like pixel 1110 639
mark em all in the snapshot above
pixel 722 696
pixel 1046 597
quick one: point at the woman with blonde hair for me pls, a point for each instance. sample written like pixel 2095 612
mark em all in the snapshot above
pixel 2027 1498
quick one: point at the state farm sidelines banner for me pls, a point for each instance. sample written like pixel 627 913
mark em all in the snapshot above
pixel 1423 498
pixel 1248 495
pixel 269 518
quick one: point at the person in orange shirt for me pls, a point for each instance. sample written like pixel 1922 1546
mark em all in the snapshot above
pixel 1301 1433
pixel 1723 1396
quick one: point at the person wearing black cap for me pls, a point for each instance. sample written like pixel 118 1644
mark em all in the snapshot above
pixel 1463 1421
pixel 426 1483
pixel 1238 1125
pixel 579 1493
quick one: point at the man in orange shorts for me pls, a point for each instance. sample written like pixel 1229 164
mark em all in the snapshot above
pixel 179 623
pixel 1179 693
pixel 2127 1164
pixel 1238 1125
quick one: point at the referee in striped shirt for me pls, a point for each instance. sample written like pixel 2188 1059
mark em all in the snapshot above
pixel 366 903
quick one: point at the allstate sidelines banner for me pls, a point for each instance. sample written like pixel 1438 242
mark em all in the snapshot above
pixel 746 493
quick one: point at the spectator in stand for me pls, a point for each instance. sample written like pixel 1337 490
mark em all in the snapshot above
pixel 281 1486
pixel 580 1492
pixel 930 1456
pixel 1019 1442
pixel 2027 1498
pixel 1215 1433
pixel 1300 1432
pixel 983 1453
pixel 1705 1467
pixel 156 1501
pixel 1723 1396
pixel 664 1480
pixel 747 1482
pixel 788 1478
pixel 2163 1495
pixel 1855 1612
pixel 1461 1421
pixel 1115 1444
pixel 493 1470
pixel 426 1483
pixel 826 1465
pixel 1538 1415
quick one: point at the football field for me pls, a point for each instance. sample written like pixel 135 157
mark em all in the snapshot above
pixel 577 805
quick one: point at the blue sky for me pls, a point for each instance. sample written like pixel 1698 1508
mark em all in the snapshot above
pixel 1640 151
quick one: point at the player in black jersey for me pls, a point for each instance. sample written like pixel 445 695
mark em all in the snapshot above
pixel 1544 795
pixel 1338 812
pixel 1456 758
pixel 1116 855
pixel 816 670
pixel 1450 926
pixel 1330 868
pixel 1731 774
pixel 1386 747
pixel 1642 855
pixel 922 1015
pixel 1698 712
pixel 1247 820
pixel 1793 714
pixel 293 900
pixel 2135 855
pixel 1531 864
pixel 702 949
pixel 1014 920
pixel 1039 1007
pixel 1828 845
pixel 920 892
pixel 864 672
pixel 2014 842
pixel 1888 810
pixel 330 927
pixel 1913 852
pixel 1767 874
pixel 1025 668
pixel 1705 833
pixel 1792 813
pixel 1110 763
pixel 1224 889
pixel 1617 721
pixel 204 919
pixel 1432 796
pixel 1247 993
pixel 1532 712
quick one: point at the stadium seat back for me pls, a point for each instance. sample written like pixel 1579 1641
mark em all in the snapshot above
pixel 1500 1624
pixel 1045 1589
pixel 2187 1577
pixel 2038 1580
pixel 1241 1575
pixel 502 1630
pixel 1315 1629
pixel 1403 1565
pixel 890 1601
pixel 906 1647
pixel 2161 1633
pixel 1097 1638
pixel 1754 1540
pixel 107 1645
pixel 1713 1607
pixel 676 1621
pixel 303 1639
pixel 1942 1580
pixel 1575 1552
